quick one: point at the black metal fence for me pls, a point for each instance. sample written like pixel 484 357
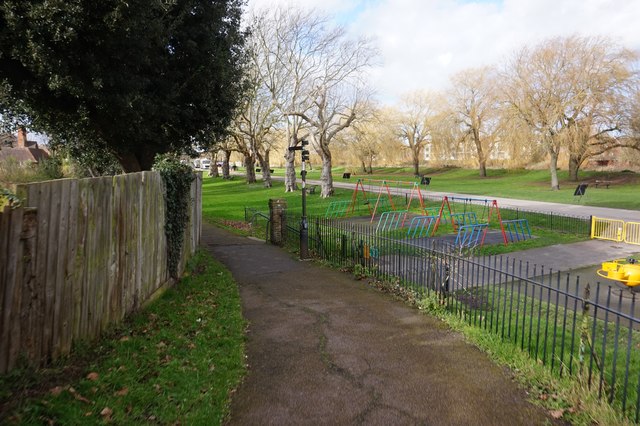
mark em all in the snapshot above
pixel 588 331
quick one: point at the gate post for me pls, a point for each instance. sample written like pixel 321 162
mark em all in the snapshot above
pixel 278 218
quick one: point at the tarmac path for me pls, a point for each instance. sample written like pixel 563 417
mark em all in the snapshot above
pixel 324 348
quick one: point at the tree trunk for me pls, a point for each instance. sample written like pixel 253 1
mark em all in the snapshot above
pixel 482 159
pixel 364 166
pixel 141 159
pixel 213 168
pixel 553 169
pixel 483 168
pixel 574 167
pixel 416 161
pixel 266 173
pixel 290 172
pixel 249 165
pixel 225 165
pixel 326 178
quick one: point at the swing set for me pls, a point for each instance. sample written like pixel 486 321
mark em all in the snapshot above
pixel 385 191
pixel 471 231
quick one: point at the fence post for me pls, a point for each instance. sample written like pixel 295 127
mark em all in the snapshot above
pixel 278 219
pixel 584 328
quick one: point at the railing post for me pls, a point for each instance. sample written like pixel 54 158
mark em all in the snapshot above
pixel 584 328
pixel 278 220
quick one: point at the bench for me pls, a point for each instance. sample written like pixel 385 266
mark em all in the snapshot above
pixel 258 170
pixel 312 189
pixel 425 180
pixel 605 183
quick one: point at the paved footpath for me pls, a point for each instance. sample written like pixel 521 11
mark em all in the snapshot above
pixel 324 348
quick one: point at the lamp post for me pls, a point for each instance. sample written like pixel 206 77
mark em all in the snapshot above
pixel 304 226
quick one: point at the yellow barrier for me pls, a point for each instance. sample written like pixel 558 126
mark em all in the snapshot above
pixel 632 233
pixel 607 229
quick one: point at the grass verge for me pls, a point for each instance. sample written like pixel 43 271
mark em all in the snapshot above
pixel 176 362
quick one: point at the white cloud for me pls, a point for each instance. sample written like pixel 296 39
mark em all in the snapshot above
pixel 424 42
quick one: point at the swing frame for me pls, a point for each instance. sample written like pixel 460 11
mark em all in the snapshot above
pixel 384 192
pixel 493 210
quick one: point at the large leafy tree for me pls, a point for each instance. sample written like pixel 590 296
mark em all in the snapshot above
pixel 134 77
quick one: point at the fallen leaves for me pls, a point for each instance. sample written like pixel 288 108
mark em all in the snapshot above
pixel 122 392
pixel 93 376
pixel 106 413
pixel 557 414
pixel 79 397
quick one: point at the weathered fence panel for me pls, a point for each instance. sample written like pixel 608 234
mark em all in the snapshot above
pixel 79 256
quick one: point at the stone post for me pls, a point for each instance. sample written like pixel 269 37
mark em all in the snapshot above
pixel 278 217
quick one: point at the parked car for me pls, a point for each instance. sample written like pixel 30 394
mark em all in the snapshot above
pixel 205 163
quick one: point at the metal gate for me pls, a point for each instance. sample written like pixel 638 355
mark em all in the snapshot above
pixel 615 230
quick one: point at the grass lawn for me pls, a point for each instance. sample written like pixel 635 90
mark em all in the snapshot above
pixel 175 362
pixel 224 202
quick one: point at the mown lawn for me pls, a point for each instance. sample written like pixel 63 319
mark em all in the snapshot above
pixel 175 362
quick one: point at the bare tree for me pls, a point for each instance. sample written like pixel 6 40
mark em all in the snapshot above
pixel 417 110
pixel 563 89
pixel 475 107
pixel 315 76
pixel 369 141
pixel 279 37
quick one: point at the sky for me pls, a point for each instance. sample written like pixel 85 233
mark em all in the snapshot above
pixel 422 43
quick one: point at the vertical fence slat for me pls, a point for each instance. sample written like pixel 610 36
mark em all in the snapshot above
pixel 5 249
pixel 12 292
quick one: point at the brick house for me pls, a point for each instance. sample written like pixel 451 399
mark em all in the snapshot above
pixel 18 147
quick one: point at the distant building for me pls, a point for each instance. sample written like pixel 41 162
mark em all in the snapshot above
pixel 18 147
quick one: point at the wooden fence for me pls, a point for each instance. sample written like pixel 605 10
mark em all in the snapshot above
pixel 78 256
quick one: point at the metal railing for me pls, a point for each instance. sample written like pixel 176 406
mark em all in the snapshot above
pixel 259 221
pixel 590 331
pixel 586 330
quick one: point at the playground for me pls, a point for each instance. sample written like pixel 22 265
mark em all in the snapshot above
pixel 400 210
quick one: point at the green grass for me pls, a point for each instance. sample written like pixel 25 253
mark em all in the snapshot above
pixel 517 183
pixel 176 362
pixel 545 333
pixel 224 202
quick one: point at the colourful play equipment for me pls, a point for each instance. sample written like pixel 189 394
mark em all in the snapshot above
pixel 490 212
pixel 471 235
pixel 625 271
pixel 392 220
pixel 385 191
pixel 337 209
pixel 420 226
pixel 518 229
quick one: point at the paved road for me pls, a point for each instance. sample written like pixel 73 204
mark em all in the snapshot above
pixel 324 348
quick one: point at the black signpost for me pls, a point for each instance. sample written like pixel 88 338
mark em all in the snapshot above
pixel 304 226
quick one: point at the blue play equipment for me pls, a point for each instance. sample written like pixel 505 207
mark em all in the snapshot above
pixel 471 235
pixel 420 226
pixel 392 220
pixel 466 218
pixel 518 229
